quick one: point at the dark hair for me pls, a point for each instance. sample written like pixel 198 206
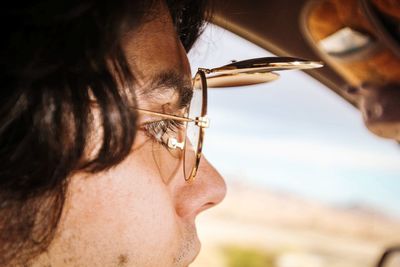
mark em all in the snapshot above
pixel 52 52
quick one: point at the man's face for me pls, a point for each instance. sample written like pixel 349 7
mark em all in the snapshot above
pixel 136 214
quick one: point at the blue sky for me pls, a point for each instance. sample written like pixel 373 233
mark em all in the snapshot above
pixel 294 134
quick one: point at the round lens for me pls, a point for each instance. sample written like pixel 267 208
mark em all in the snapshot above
pixel 193 132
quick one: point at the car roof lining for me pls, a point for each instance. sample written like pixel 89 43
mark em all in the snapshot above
pixel 261 23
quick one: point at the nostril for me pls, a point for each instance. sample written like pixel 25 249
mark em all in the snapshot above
pixel 207 206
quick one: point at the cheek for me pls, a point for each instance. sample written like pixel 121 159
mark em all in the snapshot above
pixel 125 211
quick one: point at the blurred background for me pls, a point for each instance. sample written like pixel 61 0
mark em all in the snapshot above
pixel 308 184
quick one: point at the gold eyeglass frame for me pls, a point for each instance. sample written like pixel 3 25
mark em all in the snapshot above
pixel 238 73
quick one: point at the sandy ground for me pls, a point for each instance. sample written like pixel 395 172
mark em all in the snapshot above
pixel 299 232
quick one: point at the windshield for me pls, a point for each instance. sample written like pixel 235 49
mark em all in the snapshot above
pixel 308 183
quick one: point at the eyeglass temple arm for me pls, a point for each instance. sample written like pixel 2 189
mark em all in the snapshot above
pixel 200 121
pixel 163 115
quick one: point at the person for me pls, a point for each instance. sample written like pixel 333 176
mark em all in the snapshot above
pixel 95 168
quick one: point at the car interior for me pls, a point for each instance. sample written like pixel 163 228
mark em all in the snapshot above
pixel 357 41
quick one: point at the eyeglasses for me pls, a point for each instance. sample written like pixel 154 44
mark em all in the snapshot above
pixel 248 72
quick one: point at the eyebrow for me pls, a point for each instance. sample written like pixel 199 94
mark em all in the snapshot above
pixel 172 80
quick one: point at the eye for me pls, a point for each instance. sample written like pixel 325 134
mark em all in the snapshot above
pixel 162 130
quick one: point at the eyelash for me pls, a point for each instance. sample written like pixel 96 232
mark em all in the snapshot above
pixel 158 129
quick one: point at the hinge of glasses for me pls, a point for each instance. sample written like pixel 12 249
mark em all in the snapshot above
pixel 203 122
pixel 207 71
pixel 173 143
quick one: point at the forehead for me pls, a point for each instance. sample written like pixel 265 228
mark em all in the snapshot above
pixel 155 48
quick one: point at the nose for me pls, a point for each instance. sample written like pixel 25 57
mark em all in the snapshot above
pixel 206 191
pixel 211 181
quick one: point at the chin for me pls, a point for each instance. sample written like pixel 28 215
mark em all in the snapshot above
pixel 188 253
pixel 196 249
pixel 193 253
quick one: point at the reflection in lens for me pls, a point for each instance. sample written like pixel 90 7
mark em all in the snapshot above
pixel 192 140
pixel 168 161
pixel 192 130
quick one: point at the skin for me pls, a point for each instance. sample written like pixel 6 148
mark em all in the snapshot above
pixel 133 215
